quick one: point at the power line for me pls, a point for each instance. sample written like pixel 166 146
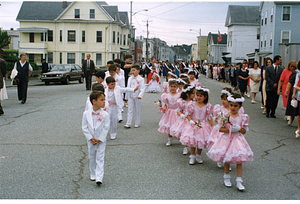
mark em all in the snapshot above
pixel 159 5
pixel 175 8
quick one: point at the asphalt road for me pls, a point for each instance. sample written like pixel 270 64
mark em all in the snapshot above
pixel 43 153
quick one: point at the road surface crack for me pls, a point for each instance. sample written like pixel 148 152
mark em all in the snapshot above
pixel 80 174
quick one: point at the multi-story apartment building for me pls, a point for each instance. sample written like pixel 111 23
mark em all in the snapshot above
pixel 65 32
pixel 216 45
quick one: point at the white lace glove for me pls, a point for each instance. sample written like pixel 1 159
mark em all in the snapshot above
pixel 192 122
pixel 235 128
pixel 181 116
pixel 218 126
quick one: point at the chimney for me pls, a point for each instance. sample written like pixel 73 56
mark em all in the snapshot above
pixel 64 4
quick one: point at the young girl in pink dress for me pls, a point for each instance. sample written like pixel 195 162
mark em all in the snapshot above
pixel 169 109
pixel 187 95
pixel 196 134
pixel 193 80
pixel 231 147
pixel 166 84
pixel 181 83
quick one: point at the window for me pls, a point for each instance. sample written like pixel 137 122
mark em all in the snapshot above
pixel 82 57
pixel 114 36
pixel 285 36
pixel 77 13
pixel 42 37
pixel 124 39
pixel 83 36
pixel 71 58
pixel 60 36
pixel 60 58
pixel 271 38
pixel 50 57
pixel 258 34
pixel 262 41
pixel 31 57
pixel 50 35
pixel 262 19
pixel 71 35
pixel 31 37
pixel 118 41
pixel 265 42
pixel 266 18
pixel 230 39
pixel 113 56
pixel 286 13
pixel 98 59
pixel 129 39
pixel 99 36
pixel 92 13
pixel 272 12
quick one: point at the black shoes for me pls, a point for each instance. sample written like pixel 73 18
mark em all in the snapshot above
pixel 99 183
pixel 1 110
pixel 23 102
pixel 273 116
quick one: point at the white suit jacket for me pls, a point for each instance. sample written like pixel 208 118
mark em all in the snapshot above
pixel 88 104
pixel 101 128
pixel 118 95
pixel 133 83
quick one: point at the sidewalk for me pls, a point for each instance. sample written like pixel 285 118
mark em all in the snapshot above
pixel 32 82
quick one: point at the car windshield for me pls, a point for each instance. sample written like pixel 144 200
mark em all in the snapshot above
pixel 60 68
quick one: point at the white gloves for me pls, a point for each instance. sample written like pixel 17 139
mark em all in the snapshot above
pixel 181 116
pixel 192 122
pixel 218 126
pixel 235 128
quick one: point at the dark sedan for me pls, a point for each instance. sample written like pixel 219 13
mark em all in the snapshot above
pixel 63 73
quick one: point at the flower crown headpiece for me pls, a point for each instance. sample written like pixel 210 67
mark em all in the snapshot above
pixel 174 75
pixel 181 81
pixel 226 92
pixel 172 80
pixel 203 89
pixel 190 87
pixel 185 75
pixel 237 100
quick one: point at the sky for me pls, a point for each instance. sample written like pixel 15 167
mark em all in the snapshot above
pixel 176 22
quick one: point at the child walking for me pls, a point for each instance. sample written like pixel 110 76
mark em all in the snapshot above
pixel 115 100
pixel 187 95
pixel 232 147
pixel 169 109
pixel 95 126
pixel 165 84
pixel 195 136
pixel 134 99
pixel 193 80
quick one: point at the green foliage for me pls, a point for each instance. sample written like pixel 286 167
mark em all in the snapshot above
pixel 4 39
pixel 34 66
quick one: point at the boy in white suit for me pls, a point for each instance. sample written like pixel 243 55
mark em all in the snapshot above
pixel 115 100
pixel 134 99
pixel 95 127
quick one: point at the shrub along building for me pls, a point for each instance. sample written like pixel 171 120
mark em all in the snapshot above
pixel 64 32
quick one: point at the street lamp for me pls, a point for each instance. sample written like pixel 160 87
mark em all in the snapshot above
pixel 198 43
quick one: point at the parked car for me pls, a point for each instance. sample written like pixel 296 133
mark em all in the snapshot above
pixel 63 73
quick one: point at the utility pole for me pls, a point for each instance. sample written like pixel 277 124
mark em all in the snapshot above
pixel 147 24
pixel 130 29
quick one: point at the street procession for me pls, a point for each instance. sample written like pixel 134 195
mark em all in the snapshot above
pixel 92 109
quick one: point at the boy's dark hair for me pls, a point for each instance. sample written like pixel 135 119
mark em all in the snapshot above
pixel 117 65
pixel 112 68
pixel 128 56
pixel 137 67
pixel 97 87
pixel 277 57
pixel 203 93
pixel 184 95
pixel 100 74
pixel 110 79
pixel 117 61
pixel 110 62
pixel 95 95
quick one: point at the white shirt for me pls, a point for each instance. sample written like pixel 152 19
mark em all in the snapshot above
pixel 111 96
pixel 29 66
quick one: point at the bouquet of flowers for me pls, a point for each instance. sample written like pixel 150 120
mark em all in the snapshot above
pixel 223 119
pixel 158 103
pixel 198 124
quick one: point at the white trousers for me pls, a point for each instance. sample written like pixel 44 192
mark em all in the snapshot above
pixel 120 114
pixel 134 104
pixel 96 156
pixel 113 115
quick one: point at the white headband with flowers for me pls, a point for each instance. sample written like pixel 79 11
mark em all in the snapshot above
pixel 203 89
pixel 237 100
pixel 226 92
pixel 174 75
pixel 188 88
pixel 181 81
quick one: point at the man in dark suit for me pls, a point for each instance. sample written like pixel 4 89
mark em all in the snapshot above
pixel 88 70
pixel 45 67
pixel 272 76
pixel 2 75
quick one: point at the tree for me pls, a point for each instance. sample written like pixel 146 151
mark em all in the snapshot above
pixel 4 39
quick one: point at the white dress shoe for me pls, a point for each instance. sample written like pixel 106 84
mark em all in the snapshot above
pixel 227 181
pixel 239 184
pixel 219 164
pixel 192 159
pixel 185 150
pixel 198 159
pixel 127 126
pixel 136 126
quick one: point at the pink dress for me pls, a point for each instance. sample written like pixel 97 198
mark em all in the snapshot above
pixel 191 136
pixel 169 117
pixel 196 83
pixel 166 87
pixel 215 133
pixel 232 147
pixel 284 77
pixel 180 124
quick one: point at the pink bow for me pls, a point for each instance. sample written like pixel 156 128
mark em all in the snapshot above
pixel 110 89
pixel 95 113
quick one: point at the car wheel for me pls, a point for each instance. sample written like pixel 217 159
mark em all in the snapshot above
pixel 47 82
pixel 81 80
pixel 67 80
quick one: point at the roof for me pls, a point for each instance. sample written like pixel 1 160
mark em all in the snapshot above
pixel 245 15
pixel 41 10
pixel 112 11
pixel 214 37
pixel 123 17
pixel 182 49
